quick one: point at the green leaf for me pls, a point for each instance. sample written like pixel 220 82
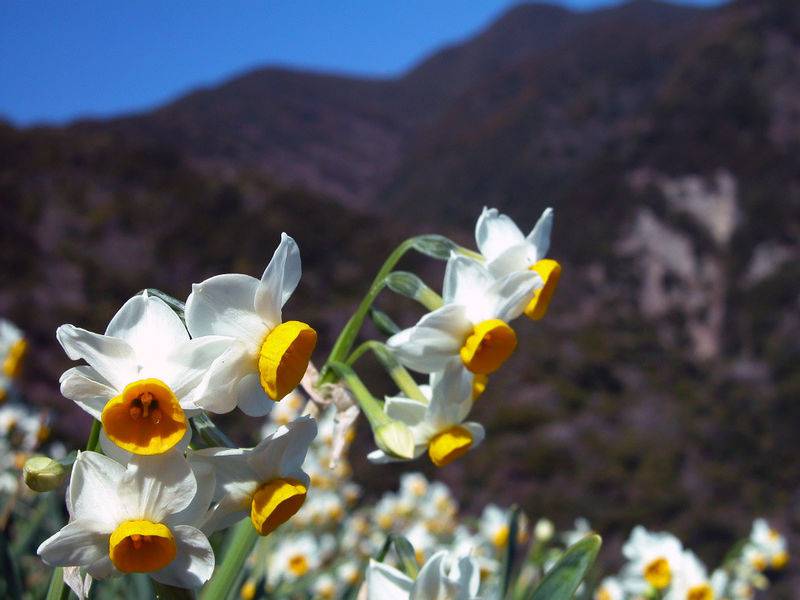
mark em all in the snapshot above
pixel 407 556
pixel 510 555
pixel 563 579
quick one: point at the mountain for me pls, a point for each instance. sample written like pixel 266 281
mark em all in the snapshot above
pixel 662 388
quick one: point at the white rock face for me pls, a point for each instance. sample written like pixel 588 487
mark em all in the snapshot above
pixel 676 275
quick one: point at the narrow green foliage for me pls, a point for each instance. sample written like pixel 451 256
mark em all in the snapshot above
pixel 510 556
pixel 563 580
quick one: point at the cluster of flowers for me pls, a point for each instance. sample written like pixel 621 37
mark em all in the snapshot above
pixel 323 551
pixel 468 337
pixel 143 505
pixel 22 430
pixel 659 566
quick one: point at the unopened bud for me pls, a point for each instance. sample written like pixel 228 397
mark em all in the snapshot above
pixel 43 474
pixel 395 439
pixel 544 530
pixel 435 246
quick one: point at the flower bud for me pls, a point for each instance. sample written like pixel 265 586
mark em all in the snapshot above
pixel 544 530
pixel 435 246
pixel 43 474
pixel 395 438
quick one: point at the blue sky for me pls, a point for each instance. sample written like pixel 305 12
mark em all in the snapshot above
pixel 65 59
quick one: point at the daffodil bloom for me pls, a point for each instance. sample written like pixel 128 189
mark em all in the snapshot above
pixel 13 347
pixel 653 559
pixel 770 544
pixel 507 250
pixel 266 482
pixel 438 427
pixel 494 526
pixel 610 589
pixel 142 376
pixel 266 358
pixel 472 326
pixel 294 557
pixel 691 580
pixel 138 518
pixel 442 577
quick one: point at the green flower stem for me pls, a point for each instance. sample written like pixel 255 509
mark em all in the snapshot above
pixel 389 362
pixel 229 572
pixel 58 590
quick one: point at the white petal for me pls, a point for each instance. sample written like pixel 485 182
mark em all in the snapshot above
pixel 112 358
pixel 514 259
pixel 225 305
pixel 251 397
pixel 279 281
pixel 198 507
pixel 79 584
pixel 451 399
pixel 468 575
pixel 406 410
pixel 94 487
pixel 477 431
pixel 539 237
pixel 282 453
pixel 228 512
pixel 194 561
pixel 465 281
pixel 186 366
pixel 155 487
pixel 234 476
pixel 436 339
pixel 386 583
pixel 150 327
pixel 217 391
pixel 494 232
pixel 515 291
pixel 429 582
pixel 78 543
pixel 102 568
pixel 84 386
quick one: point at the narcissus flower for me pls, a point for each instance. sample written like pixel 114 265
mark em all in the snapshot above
pixel 610 589
pixel 691 580
pixel 653 560
pixel 137 518
pixel 13 347
pixel 442 577
pixel 507 250
pixel 294 557
pixel 266 358
pixel 266 482
pixel 142 376
pixel 770 545
pixel 438 427
pixel 472 325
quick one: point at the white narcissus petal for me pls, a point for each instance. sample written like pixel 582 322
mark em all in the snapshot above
pixel 78 543
pixel 251 397
pixel 516 258
pixel 102 568
pixel 468 575
pixel 451 399
pixel 539 237
pixel 477 431
pixel 194 561
pixel 194 513
pixel 93 489
pixel 406 410
pixel 217 391
pixel 223 515
pixel 79 584
pixel 515 291
pixel 112 358
pixel 436 339
pixel 494 232
pixel 282 453
pixel 149 326
pixel 465 281
pixel 234 476
pixel 186 365
pixel 429 581
pixel 224 305
pixel 279 281
pixel 84 386
pixel 387 583
pixel 155 487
